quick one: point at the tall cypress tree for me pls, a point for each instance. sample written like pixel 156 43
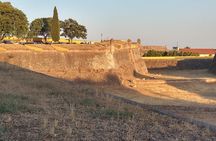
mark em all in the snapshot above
pixel 55 30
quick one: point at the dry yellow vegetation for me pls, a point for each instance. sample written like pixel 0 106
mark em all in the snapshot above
pixel 2 49
pixel 61 49
pixel 34 48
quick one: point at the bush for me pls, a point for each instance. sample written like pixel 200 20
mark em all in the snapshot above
pixel 154 53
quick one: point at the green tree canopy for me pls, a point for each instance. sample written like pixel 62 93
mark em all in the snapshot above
pixel 72 29
pixel 13 22
pixel 41 27
pixel 139 41
pixel 55 30
pixel 154 53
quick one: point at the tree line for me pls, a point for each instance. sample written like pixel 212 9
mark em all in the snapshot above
pixel 13 22
pixel 154 53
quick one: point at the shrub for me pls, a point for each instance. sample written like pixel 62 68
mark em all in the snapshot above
pixel 154 53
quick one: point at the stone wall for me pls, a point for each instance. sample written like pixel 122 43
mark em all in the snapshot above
pixel 83 64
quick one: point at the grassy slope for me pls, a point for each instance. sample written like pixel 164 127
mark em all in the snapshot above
pixel 38 107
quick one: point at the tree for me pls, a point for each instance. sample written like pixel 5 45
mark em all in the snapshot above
pixel 41 27
pixel 154 53
pixel 13 22
pixel 72 29
pixel 55 30
pixel 139 41
pixel 35 28
pixel 129 40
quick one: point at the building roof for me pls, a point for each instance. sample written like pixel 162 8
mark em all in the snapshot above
pixel 199 51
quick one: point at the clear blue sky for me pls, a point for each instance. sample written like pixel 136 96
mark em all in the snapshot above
pixel 157 22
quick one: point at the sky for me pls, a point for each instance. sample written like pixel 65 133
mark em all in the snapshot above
pixel 156 22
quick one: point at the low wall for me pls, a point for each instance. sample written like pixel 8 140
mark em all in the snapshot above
pixel 178 64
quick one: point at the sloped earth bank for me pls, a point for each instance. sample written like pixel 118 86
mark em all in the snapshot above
pixel 38 107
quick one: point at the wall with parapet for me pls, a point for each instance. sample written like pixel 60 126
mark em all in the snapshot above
pixel 86 63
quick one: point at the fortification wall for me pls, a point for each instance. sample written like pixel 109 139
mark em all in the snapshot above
pixel 178 64
pixel 78 63
pixel 213 66
pixel 128 61
pixel 44 61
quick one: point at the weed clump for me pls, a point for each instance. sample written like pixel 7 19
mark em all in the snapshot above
pixel 10 103
pixel 88 102
pixel 2 130
pixel 113 113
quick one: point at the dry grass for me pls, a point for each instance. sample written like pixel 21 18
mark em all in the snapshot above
pixel 60 49
pixel 44 47
pixel 60 110
pixel 2 49
pixel 36 49
pixel 13 47
pixel 53 47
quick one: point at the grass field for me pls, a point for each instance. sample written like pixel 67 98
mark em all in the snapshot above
pixel 38 107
